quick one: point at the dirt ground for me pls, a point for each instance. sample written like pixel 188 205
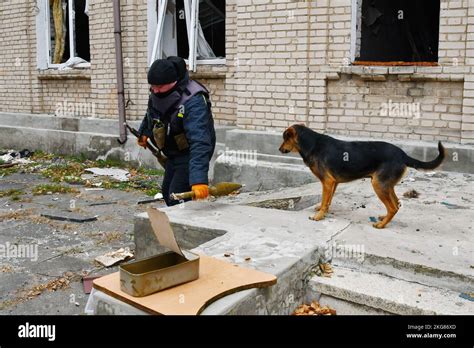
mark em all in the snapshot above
pixel 51 282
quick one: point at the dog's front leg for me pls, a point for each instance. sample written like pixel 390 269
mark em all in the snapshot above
pixel 328 191
pixel 318 206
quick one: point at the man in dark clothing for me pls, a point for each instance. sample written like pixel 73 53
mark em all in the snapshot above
pixel 179 121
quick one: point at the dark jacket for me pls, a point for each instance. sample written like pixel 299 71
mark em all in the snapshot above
pixel 198 126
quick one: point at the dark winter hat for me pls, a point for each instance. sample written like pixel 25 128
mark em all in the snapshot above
pixel 179 64
pixel 161 72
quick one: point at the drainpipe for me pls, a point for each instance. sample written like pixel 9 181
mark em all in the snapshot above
pixel 119 69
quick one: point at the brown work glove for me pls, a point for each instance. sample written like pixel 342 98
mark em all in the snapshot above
pixel 201 191
pixel 142 141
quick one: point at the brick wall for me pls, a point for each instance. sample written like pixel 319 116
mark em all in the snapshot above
pixel 286 61
pixel 23 88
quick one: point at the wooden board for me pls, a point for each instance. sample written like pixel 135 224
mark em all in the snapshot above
pixel 217 279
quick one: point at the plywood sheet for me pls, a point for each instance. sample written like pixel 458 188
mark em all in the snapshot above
pixel 217 278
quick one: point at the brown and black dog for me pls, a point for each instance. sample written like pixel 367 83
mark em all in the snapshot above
pixel 335 161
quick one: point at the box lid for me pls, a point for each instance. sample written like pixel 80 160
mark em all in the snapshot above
pixel 163 231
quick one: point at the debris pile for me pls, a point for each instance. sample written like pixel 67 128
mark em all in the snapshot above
pixel 60 283
pixel 11 158
pixel 314 309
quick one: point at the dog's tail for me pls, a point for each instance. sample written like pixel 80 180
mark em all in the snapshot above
pixel 414 163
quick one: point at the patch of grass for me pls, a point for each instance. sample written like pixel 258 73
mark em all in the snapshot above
pixel 111 162
pixel 2 161
pixel 81 158
pixel 13 193
pixel 52 188
pixel 39 155
pixel 9 170
pixel 64 173
pixel 152 192
pixel 151 171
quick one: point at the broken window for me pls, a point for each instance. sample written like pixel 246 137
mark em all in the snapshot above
pixel 191 29
pixel 397 31
pixel 62 28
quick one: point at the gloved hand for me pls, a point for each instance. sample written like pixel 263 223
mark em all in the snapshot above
pixel 142 141
pixel 201 191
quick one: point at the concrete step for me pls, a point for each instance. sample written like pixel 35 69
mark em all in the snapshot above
pixel 388 294
pixel 412 272
pixel 258 175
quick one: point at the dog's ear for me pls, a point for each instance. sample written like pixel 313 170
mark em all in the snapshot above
pixel 289 133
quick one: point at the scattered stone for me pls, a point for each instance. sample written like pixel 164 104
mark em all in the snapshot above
pixel 69 217
pixel 248 259
pixel 411 194
pixel 102 203
pixel 453 206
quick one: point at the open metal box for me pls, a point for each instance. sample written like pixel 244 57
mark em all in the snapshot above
pixel 144 277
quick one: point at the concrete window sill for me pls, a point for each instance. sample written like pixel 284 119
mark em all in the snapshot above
pixel 209 72
pixel 408 73
pixel 71 74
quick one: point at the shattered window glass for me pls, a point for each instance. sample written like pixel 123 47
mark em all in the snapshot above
pixel 60 32
pixel 211 30
pixel 398 31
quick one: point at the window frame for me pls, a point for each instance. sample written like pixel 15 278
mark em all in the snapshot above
pixel 156 27
pixel 43 26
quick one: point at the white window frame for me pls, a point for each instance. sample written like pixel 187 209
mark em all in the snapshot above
pixel 43 35
pixel 155 29
pixel 354 29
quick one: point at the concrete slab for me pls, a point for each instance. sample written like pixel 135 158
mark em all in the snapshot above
pixel 414 249
pixel 425 233
pixel 284 243
pixel 390 294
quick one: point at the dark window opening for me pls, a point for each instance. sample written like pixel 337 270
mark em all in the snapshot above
pixel 82 30
pixel 212 20
pixel 399 31
pixel 181 33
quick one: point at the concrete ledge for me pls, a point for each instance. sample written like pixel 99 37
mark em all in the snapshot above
pixel 284 243
pixel 269 169
pixel 94 137
pixel 391 295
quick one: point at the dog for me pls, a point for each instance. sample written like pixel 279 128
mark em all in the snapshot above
pixel 335 161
